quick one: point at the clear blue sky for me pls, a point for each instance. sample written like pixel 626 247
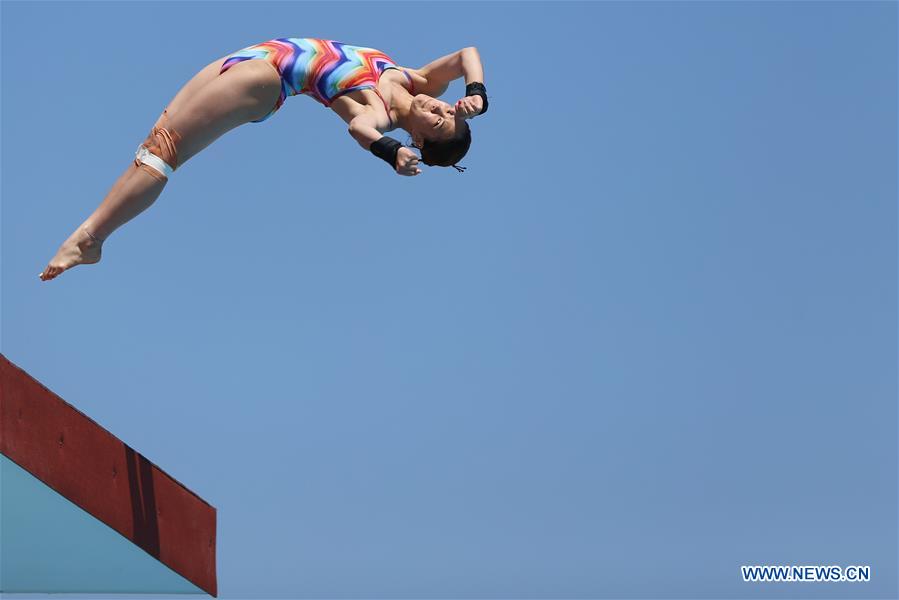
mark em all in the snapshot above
pixel 648 337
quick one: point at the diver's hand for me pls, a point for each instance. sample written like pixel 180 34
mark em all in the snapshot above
pixel 407 162
pixel 469 107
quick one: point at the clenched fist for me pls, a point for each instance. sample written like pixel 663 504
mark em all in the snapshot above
pixel 407 162
pixel 469 107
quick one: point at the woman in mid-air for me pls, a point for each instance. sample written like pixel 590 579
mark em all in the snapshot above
pixel 370 92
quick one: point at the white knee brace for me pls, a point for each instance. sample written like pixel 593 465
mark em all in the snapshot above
pixel 145 157
pixel 158 155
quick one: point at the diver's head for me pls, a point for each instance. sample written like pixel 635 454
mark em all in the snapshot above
pixel 442 137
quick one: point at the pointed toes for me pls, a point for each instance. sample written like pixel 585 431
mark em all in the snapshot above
pixel 50 273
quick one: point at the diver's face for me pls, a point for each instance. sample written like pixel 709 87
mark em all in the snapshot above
pixel 432 119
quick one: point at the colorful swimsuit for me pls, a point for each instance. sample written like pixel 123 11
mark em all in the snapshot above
pixel 323 69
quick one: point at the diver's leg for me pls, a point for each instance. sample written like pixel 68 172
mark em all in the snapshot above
pixel 187 91
pixel 245 92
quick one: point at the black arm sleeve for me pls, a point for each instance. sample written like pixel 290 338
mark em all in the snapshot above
pixel 386 148
pixel 477 89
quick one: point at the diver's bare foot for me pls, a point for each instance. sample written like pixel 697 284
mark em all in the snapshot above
pixel 80 249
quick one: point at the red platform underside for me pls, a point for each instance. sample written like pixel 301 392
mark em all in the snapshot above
pixel 102 475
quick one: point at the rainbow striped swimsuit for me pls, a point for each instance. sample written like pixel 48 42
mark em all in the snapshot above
pixel 323 69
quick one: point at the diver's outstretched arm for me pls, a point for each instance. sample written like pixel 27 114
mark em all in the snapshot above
pixel 462 63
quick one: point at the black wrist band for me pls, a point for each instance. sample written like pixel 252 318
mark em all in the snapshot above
pixel 386 148
pixel 476 88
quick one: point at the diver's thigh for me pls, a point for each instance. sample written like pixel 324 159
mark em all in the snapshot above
pixel 203 77
pixel 243 93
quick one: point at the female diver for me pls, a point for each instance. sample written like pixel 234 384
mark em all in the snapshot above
pixel 362 85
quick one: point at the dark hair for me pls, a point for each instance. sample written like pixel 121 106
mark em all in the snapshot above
pixel 446 153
